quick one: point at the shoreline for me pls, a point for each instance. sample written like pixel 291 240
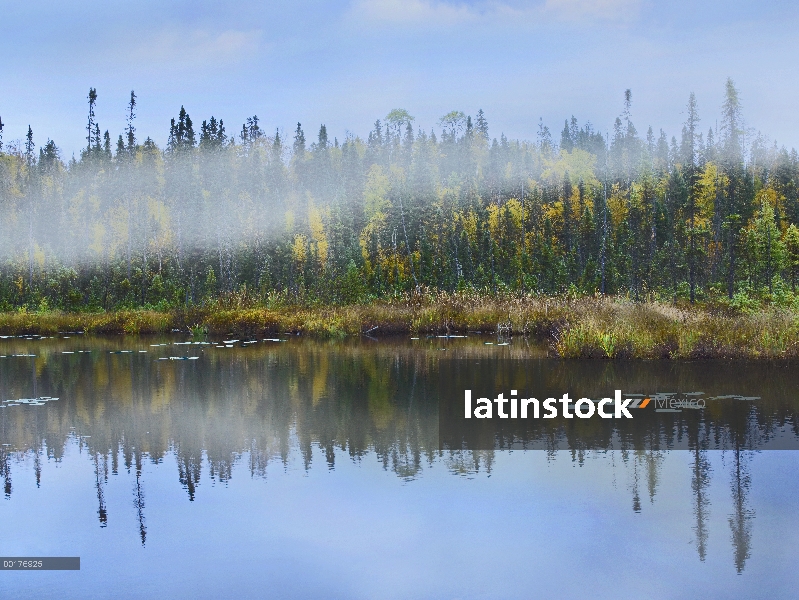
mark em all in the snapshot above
pixel 590 327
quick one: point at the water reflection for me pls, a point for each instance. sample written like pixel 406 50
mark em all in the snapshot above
pixel 742 516
pixel 260 404
pixel 700 482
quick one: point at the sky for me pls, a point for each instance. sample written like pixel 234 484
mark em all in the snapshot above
pixel 347 63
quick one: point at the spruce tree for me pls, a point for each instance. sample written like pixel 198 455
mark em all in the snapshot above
pixel 30 157
pixel 732 163
pixel 191 140
pixel 299 143
pixel 97 141
pixel 691 179
pixel 91 125
pixel 181 132
pixel 408 142
pixel 481 125
pixel 566 141
pixel 130 129
pixel 212 134
pixel 48 156
pixel 731 125
pixel 251 131
pixel 544 138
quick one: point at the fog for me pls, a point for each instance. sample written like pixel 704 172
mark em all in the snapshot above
pixel 403 206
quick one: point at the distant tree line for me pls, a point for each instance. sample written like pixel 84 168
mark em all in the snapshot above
pixel 711 214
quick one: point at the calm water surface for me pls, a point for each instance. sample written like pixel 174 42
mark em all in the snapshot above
pixel 306 469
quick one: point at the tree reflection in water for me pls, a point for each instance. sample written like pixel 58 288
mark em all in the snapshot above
pixel 262 404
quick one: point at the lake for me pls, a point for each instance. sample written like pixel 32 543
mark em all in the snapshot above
pixel 178 467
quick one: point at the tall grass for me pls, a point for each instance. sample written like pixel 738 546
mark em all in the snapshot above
pixel 587 327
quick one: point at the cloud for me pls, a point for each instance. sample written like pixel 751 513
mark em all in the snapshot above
pixel 437 13
pixel 413 12
pixel 579 10
pixel 198 47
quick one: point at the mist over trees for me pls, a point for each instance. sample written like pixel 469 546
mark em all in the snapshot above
pixel 712 212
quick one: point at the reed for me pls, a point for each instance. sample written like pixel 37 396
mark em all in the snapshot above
pixel 586 327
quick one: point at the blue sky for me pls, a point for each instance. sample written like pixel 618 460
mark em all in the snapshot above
pixel 348 63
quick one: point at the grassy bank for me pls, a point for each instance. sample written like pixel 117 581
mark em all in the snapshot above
pixel 574 327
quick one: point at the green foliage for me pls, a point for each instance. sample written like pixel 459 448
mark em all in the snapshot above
pixel 336 224
pixel 744 301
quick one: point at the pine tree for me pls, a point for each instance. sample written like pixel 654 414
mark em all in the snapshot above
pixel 299 143
pixel 30 161
pixel 191 140
pixel 375 142
pixel 321 164
pixel 106 145
pixel 566 142
pixel 544 139
pixel 251 131
pixel 710 146
pixel 481 126
pixel 733 210
pixel 628 100
pixel 408 141
pixel 91 125
pixel 97 141
pixel 48 157
pixel 181 132
pixel 731 125
pixel 212 134
pixel 691 179
pixel 130 129
pixel 662 154
pixel 30 157
pixel 322 142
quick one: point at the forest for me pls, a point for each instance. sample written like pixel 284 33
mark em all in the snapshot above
pixel 709 214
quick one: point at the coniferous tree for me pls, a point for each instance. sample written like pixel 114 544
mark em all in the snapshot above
pixel 30 157
pixel 545 145
pixel 90 128
pixel 30 162
pixel 691 178
pixel 481 126
pixel 97 141
pixel 566 141
pixel 107 145
pixel 130 129
pixel 402 208
pixel 299 142
pixel 732 211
